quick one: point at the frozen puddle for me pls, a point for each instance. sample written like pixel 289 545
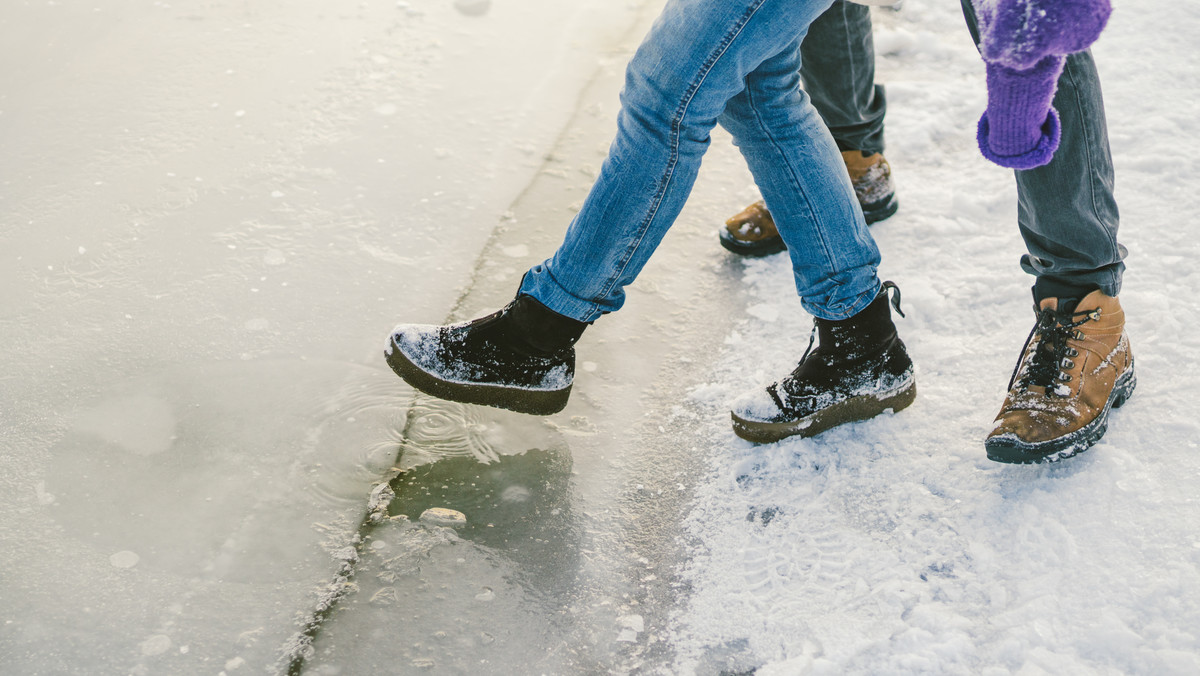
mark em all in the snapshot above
pixel 466 570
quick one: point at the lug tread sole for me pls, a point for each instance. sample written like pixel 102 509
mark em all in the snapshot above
pixel 1013 451
pixel 854 409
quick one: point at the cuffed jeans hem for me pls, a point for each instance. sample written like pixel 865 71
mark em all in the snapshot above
pixel 1107 279
pixel 539 284
pixel 835 304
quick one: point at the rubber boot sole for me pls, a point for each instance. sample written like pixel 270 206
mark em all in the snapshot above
pixel 1009 449
pixel 533 402
pixel 873 213
pixel 851 410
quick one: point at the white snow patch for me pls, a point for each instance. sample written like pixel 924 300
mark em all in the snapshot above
pixel 768 312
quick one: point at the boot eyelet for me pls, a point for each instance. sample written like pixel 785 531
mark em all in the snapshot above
pixel 1094 314
pixel 1077 334
pixel 1067 364
pixel 1072 352
pixel 1065 377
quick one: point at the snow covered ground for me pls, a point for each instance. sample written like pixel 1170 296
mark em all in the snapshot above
pixel 895 546
pixel 211 214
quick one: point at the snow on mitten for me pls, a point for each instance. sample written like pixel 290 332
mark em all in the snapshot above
pixel 1025 44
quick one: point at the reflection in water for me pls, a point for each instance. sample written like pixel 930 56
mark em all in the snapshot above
pixel 437 430
pixel 440 429
pixel 509 473
pixel 519 506
pixel 489 593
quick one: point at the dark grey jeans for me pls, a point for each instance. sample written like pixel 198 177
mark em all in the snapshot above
pixel 837 65
pixel 1066 211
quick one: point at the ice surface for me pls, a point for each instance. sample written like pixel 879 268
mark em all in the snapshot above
pixel 195 419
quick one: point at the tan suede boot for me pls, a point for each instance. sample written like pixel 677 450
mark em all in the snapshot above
pixel 1075 368
pixel 752 231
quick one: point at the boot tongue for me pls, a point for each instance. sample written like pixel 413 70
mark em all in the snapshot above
pixel 1067 305
pixel 1059 305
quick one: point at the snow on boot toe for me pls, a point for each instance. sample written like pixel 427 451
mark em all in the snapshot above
pixel 520 358
pixel 1076 366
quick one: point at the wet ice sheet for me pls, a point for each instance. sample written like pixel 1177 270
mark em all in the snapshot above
pixel 481 595
pixel 187 516
pixel 211 215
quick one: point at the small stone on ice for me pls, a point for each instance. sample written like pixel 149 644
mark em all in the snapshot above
pixel 156 645
pixel 440 516
pixel 124 559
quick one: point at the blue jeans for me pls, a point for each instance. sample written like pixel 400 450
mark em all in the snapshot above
pixel 839 74
pixel 735 62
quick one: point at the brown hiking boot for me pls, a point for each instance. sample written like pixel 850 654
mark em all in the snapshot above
pixel 1075 368
pixel 752 231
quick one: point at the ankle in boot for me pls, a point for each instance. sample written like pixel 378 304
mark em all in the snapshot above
pixel 859 369
pixel 752 231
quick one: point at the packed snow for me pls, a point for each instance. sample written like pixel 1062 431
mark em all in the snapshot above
pixel 894 545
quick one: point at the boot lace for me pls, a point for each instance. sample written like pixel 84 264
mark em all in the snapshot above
pixel 1051 350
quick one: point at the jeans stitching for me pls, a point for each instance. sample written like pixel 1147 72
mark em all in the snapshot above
pixel 1089 161
pixel 818 234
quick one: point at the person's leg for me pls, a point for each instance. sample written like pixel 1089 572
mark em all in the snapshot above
pixel 838 71
pixel 740 67
pixel 1077 364
pixel 860 367
pixel 770 121
pixel 677 85
pixel 1066 211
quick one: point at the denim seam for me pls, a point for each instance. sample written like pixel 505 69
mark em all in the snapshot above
pixel 851 53
pixel 795 183
pixel 1114 248
pixel 676 125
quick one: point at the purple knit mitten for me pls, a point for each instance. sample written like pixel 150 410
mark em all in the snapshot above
pixel 1025 44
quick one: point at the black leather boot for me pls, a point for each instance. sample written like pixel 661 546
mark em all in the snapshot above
pixel 859 369
pixel 520 358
